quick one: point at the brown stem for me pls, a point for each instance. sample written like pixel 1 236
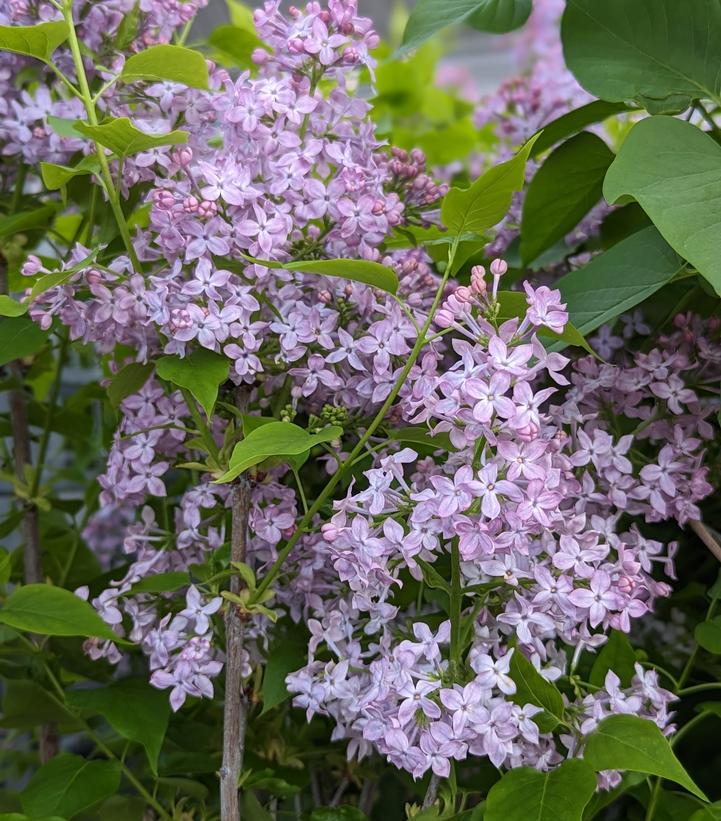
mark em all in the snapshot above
pixel 707 538
pixel 431 792
pixel 235 714
pixel 22 457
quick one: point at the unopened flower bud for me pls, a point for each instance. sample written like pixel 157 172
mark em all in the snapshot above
pixel 499 267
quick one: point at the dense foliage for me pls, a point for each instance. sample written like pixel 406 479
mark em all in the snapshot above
pixel 385 488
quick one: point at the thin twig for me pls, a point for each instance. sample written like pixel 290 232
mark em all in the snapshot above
pixel 340 791
pixel 707 538
pixel 22 457
pixel 235 716
pixel 431 792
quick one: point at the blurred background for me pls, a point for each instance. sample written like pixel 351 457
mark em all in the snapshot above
pixel 490 60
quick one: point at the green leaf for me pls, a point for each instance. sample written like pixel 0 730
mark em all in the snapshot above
pixel 17 816
pixel 27 220
pixel 175 64
pixel 52 611
pixel 418 435
pixel 58 176
pixel 525 794
pixel 11 307
pixel 357 270
pixel 708 635
pixel 26 704
pixel 20 337
pixel 34 41
pixel 235 45
pixel 563 190
pixel 569 124
pixel 123 138
pixel 710 813
pixel 673 170
pixel 127 381
pixel 532 688
pixel 619 279
pixel 624 742
pixel 513 304
pixel 202 373
pixel 68 784
pixel 617 655
pixel 660 53
pixel 430 16
pixel 287 653
pixel 133 708
pixel 487 201
pixel 276 439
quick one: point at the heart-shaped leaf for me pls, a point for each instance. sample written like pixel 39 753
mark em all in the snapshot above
pixel 525 794
pixel 673 171
pixel 202 373
pixel 532 688
pixel 123 138
pixel 660 53
pixel 34 41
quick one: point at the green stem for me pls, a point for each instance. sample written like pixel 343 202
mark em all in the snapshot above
pixel 689 726
pixel 699 688
pixel 203 429
pixel 87 98
pixel 683 678
pixel 327 491
pixel 99 743
pixel 655 794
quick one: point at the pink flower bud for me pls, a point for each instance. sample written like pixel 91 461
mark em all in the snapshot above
pixel 444 318
pixel 499 267
pixel 260 56
pixel 32 265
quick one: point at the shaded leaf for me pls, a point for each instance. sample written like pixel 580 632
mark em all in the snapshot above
pixel 127 381
pixel 27 220
pixel 532 688
pixel 619 279
pixel 563 190
pixel 673 170
pixel 616 655
pixel 134 709
pixel 58 176
pixel 708 635
pixel 20 337
pixel 26 704
pixel 569 124
pixel 287 653
pixel 513 304
pixel 68 785
pixel 660 53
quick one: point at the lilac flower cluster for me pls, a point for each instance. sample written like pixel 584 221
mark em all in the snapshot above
pixel 546 558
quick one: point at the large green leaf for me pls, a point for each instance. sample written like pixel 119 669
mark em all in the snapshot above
pixel 202 373
pixel 11 307
pixel 430 16
pixel 133 708
pixel 127 381
pixel 123 138
pixel 619 279
pixel 26 704
pixel 569 124
pixel 487 201
pixel 52 611
pixel 660 53
pixel 562 192
pixel 532 688
pixel 625 742
pixel 275 439
pixel 34 41
pixel 68 784
pixel 357 270
pixel 710 813
pixel 673 170
pixel 58 176
pixel 175 64
pixel 20 337
pixel 27 220
pixel 525 794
